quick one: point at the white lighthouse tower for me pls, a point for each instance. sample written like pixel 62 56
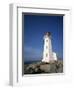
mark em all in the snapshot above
pixel 47 52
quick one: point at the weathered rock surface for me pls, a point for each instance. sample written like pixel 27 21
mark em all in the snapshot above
pixel 41 67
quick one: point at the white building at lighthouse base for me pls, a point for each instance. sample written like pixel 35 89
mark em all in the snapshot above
pixel 54 56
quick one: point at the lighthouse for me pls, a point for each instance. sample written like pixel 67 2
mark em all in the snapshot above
pixel 47 51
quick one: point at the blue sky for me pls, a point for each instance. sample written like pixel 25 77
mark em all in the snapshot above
pixel 35 27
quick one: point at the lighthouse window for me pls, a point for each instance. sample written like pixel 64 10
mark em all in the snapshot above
pixel 46 40
pixel 46 54
pixel 46 47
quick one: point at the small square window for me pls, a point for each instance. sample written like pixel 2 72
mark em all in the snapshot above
pixel 46 47
pixel 46 54
pixel 46 40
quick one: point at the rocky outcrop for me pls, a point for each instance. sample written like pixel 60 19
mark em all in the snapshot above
pixel 41 67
